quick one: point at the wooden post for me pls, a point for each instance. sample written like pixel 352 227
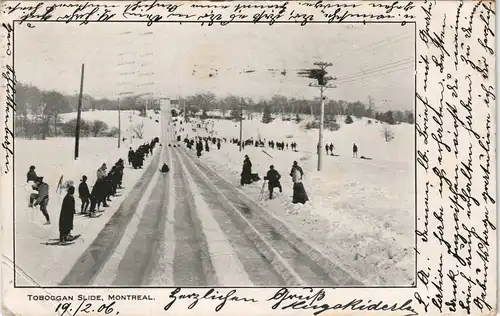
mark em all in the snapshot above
pixel 321 122
pixel 79 115
pixel 119 124
pixel 241 124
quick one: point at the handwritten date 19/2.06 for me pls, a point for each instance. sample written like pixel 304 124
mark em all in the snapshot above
pixel 86 308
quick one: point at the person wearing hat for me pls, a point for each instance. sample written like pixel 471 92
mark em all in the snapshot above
pixel 67 215
pixel 42 198
pixel 84 193
pixel 165 168
pixel 273 177
pixel 31 175
pixel 101 172
pixel 299 192
pixel 246 173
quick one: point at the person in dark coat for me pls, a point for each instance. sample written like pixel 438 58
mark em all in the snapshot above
pixel 130 156
pixel 31 175
pixel 42 198
pixel 326 147
pixel 98 196
pixel 331 148
pixel 246 173
pixel 114 178
pixel 299 192
pixel 119 172
pixel 164 168
pixel 273 177
pixel 207 149
pixel 67 215
pixel 84 194
pixel 354 151
pixel 199 148
pixel 218 145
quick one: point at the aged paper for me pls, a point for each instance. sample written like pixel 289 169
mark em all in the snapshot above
pixel 250 158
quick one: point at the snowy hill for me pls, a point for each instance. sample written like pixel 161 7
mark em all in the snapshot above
pixel 361 211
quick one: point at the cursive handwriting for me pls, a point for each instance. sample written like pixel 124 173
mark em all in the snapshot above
pixel 309 299
pixel 209 14
pixel 212 294
pixel 10 78
pixel 454 99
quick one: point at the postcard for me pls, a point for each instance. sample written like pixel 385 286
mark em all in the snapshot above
pixel 248 158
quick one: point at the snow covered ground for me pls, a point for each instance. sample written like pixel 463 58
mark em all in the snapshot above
pixel 53 158
pixel 361 211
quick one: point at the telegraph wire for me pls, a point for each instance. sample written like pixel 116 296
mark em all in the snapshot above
pixel 379 68
pixel 373 76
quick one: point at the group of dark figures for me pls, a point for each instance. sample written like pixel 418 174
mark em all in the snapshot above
pixel 354 151
pixel 261 143
pixel 329 147
pixel 273 177
pixel 105 187
pixel 202 143
pixel 136 158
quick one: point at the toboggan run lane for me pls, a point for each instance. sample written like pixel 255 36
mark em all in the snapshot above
pixel 191 227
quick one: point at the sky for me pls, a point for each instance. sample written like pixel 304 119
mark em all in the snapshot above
pixel 172 60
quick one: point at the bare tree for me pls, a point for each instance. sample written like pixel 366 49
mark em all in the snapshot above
pixel 98 127
pixel 139 130
pixel 388 134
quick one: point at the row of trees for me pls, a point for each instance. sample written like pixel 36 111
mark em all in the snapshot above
pixel 292 108
pixel 39 129
pixel 45 107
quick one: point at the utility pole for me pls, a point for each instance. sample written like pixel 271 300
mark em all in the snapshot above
pixel 119 124
pixel 322 85
pixel 241 124
pixel 79 115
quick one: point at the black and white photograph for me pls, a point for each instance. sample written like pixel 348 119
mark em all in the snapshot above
pixel 183 155
pixel 248 157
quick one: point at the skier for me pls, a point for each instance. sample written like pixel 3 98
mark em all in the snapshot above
pixel 326 147
pixel 42 198
pixel 84 194
pixel 331 148
pixel 67 215
pixel 273 177
pixel 218 145
pixel 354 151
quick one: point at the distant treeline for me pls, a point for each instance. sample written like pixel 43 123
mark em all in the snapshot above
pixel 43 108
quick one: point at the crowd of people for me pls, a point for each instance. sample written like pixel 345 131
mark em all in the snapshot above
pixel 200 144
pixel 136 158
pixel 262 143
pixel 105 187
